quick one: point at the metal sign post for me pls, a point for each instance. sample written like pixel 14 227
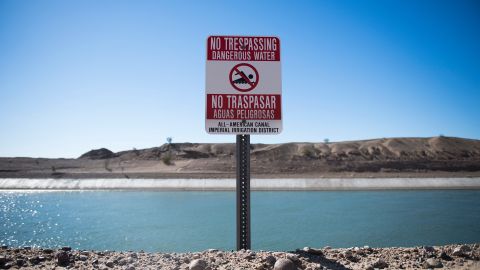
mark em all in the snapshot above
pixel 243 192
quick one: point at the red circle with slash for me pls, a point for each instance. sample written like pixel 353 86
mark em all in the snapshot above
pixel 244 77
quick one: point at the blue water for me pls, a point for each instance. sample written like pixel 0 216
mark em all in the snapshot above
pixel 194 221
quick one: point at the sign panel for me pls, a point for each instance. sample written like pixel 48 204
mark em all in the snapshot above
pixel 243 85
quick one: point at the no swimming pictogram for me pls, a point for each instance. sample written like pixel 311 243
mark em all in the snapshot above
pixel 244 77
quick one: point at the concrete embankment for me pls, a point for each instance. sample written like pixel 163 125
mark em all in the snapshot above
pixel 256 184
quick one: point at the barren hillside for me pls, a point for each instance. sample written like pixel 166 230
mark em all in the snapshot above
pixel 428 157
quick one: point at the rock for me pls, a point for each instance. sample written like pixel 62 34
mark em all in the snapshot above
pixel 197 265
pixel 110 264
pixel 130 267
pixel 353 259
pixel 428 249
pixel 360 252
pixel 122 262
pixel 461 251
pixel 313 251
pixel 83 258
pixel 20 262
pixel 66 248
pixel 260 267
pixel 3 259
pixel 48 251
pixel 270 260
pixel 4 246
pixel 212 250
pixel 249 256
pixel 380 264
pixel 432 263
pixel 27 248
pixel 293 257
pixel 349 255
pixel 34 260
pixel 327 247
pixel 367 249
pixel 444 256
pixel 284 264
pixel 63 258
pixel 457 252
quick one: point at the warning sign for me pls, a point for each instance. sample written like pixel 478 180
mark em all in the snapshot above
pixel 243 85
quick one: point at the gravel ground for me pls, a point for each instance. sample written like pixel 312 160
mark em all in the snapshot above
pixel 426 257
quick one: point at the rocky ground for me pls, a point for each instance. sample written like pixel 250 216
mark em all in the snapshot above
pixel 447 257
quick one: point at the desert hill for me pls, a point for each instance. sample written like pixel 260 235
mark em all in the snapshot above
pixel 429 157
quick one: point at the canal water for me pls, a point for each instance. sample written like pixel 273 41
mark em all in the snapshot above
pixel 184 221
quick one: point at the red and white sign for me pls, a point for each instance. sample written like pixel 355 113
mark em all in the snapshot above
pixel 243 85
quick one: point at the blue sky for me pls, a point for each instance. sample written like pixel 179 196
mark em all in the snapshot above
pixel 79 75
